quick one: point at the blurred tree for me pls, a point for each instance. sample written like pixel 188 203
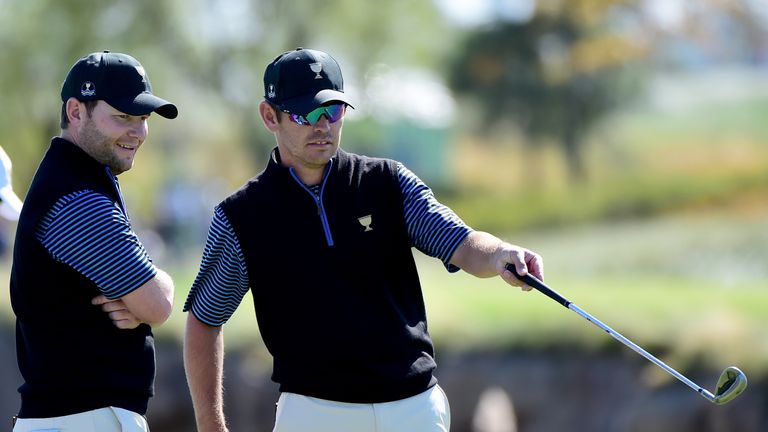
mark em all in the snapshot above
pixel 554 76
pixel 41 40
pixel 207 56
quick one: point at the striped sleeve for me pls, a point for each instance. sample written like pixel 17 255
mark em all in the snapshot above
pixel 433 228
pixel 222 281
pixel 90 233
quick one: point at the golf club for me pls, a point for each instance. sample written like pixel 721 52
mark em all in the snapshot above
pixel 732 381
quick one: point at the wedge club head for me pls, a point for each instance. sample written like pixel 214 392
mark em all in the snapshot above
pixel 732 383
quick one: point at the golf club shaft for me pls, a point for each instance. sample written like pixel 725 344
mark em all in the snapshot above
pixel 534 282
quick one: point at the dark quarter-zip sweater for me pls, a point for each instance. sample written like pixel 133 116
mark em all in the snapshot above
pixel 335 286
pixel 71 356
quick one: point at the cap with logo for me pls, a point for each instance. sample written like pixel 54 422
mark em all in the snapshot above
pixel 10 204
pixel 117 79
pixel 301 80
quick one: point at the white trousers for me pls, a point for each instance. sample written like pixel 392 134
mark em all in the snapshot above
pixel 425 412
pixel 108 419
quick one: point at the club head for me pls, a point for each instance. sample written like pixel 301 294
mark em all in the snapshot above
pixel 732 383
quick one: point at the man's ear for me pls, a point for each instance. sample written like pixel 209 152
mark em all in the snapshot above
pixel 75 111
pixel 268 116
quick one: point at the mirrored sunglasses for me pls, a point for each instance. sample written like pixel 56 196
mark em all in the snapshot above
pixel 334 113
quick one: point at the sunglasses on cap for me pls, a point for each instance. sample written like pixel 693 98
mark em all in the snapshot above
pixel 333 112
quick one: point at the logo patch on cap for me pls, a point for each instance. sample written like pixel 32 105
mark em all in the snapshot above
pixel 302 80
pixel 88 89
pixel 316 68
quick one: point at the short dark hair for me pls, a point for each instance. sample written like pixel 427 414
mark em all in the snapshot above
pixel 278 111
pixel 89 106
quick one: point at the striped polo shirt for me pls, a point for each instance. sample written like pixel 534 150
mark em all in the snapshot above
pixel 222 281
pixel 90 233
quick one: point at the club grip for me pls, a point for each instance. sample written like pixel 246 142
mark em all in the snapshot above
pixel 534 282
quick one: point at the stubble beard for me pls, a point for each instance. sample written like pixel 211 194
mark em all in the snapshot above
pixel 101 148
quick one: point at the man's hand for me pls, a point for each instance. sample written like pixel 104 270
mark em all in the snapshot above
pixel 118 312
pixel 485 255
pixel 524 260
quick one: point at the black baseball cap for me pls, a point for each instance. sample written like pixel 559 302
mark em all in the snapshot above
pixel 117 79
pixel 301 80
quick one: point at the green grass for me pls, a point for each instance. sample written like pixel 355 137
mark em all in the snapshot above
pixel 707 124
pixel 627 197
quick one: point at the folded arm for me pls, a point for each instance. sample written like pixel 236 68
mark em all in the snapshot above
pixel 151 303
pixel 89 232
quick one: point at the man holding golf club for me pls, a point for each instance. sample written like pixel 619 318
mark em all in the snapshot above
pixel 83 288
pixel 323 240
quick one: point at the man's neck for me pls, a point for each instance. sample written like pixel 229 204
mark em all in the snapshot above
pixel 65 134
pixel 310 176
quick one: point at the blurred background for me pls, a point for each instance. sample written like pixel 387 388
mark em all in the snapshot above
pixel 625 141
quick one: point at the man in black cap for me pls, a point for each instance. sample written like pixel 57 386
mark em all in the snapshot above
pixel 83 288
pixel 323 239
